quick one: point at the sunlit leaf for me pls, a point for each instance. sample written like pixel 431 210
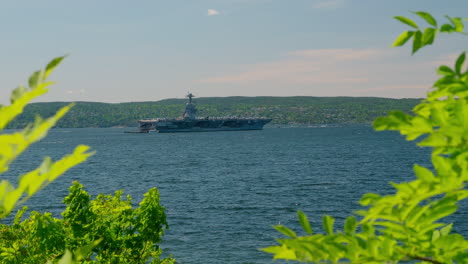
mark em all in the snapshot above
pixel 446 230
pixel 428 17
pixel 350 225
pixel 424 174
pixel 52 65
pixel 459 63
pixel 67 258
pixel 417 41
pixel 369 198
pixel 428 36
pixel 328 222
pixel 285 231
pixel 34 79
pixel 457 23
pixel 445 70
pixel 304 222
pixel 440 212
pixel 17 93
pixel 406 21
pixel 403 38
pixel 447 28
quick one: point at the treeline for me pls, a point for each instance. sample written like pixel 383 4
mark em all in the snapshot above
pixel 283 110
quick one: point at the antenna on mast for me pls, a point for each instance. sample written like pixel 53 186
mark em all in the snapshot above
pixel 190 96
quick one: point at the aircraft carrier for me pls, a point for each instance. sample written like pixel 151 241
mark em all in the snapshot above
pixel 189 122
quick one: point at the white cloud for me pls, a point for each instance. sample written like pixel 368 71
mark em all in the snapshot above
pixel 330 72
pixel 338 54
pixel 329 4
pixel 80 91
pixel 213 12
pixel 308 67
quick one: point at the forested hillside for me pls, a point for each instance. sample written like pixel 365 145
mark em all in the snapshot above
pixel 283 110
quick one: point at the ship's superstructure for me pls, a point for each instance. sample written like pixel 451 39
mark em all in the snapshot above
pixel 189 122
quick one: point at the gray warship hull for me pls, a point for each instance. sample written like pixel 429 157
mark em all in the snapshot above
pixel 190 123
pixel 202 125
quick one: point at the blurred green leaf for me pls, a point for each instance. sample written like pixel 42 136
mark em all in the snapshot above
pixel 35 78
pixel 285 231
pixel 428 36
pixel 457 23
pixel 350 225
pixel 424 174
pixel 52 65
pixel 403 38
pixel 328 222
pixel 459 63
pixel 67 258
pixel 304 222
pixel 447 28
pixel 406 21
pixel 417 41
pixel 445 70
pixel 428 17
pixel 18 93
pixel 369 198
pixel 446 229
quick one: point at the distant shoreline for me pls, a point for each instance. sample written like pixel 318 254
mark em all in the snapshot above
pixel 285 111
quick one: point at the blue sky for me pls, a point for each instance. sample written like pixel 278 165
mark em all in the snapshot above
pixel 122 51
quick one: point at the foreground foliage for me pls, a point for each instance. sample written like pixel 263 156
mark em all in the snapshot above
pixel 14 143
pixel 104 230
pixel 407 225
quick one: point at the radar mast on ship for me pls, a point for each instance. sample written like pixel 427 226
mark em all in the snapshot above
pixel 190 109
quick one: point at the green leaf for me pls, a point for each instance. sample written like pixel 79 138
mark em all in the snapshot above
pixel 459 63
pixel 34 79
pixel 328 222
pixel 457 23
pixel 428 17
pixel 447 28
pixel 17 93
pixel 446 230
pixel 273 249
pixel 417 41
pixel 388 246
pixel 304 222
pixel 435 235
pixel 369 198
pixel 440 212
pixel 428 36
pixel 280 252
pixel 406 21
pixel 445 70
pixel 350 225
pixel 52 65
pixel 285 231
pixel 67 258
pixel 403 38
pixel 424 174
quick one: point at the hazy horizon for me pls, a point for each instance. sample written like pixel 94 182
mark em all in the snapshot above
pixel 153 50
pixel 204 97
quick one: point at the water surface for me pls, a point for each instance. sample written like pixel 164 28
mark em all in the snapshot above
pixel 223 191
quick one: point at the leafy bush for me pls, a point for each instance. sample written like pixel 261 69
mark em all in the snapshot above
pixel 104 230
pixel 406 226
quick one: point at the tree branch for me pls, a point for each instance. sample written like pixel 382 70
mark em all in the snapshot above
pixel 425 259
